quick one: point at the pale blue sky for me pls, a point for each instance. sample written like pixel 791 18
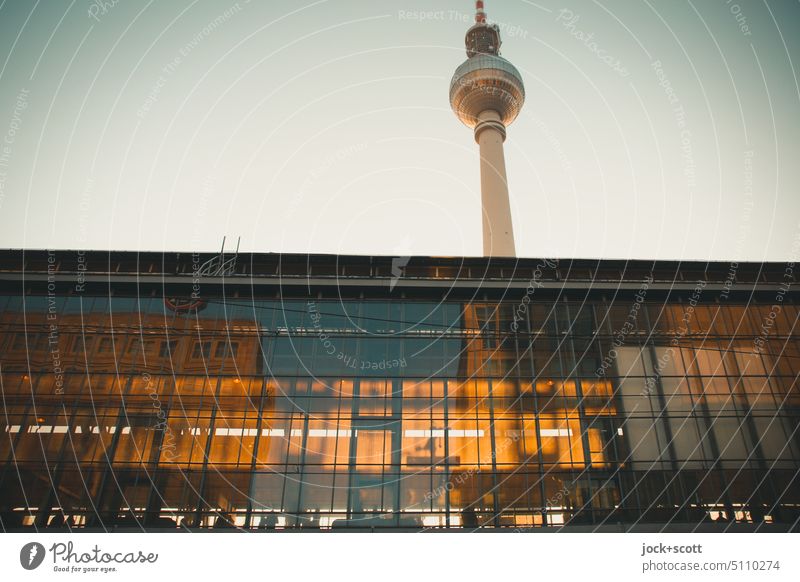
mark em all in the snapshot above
pixel 325 127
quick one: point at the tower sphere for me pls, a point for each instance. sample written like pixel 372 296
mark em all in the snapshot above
pixel 485 81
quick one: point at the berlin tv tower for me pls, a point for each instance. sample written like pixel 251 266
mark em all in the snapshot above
pixel 487 93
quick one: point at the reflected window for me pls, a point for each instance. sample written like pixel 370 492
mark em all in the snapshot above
pixel 105 346
pixel 201 350
pixel 167 348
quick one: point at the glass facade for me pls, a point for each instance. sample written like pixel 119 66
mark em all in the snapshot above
pixel 328 412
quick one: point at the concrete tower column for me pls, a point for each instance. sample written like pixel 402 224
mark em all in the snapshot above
pixel 498 233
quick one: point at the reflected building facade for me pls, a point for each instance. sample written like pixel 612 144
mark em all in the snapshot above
pixel 284 392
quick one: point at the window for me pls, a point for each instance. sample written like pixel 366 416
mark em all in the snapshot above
pixel 495 433
pixel 201 350
pixel 219 350
pixel 167 348
pixel 19 342
pixel 105 346
pixel 138 346
pixel 80 341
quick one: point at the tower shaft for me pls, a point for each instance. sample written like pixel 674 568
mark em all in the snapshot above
pixel 498 231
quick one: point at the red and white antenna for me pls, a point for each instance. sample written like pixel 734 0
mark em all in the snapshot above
pixel 480 15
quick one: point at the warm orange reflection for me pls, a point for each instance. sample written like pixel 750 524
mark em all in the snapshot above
pixel 197 411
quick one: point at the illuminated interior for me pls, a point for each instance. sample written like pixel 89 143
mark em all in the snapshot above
pixel 272 414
